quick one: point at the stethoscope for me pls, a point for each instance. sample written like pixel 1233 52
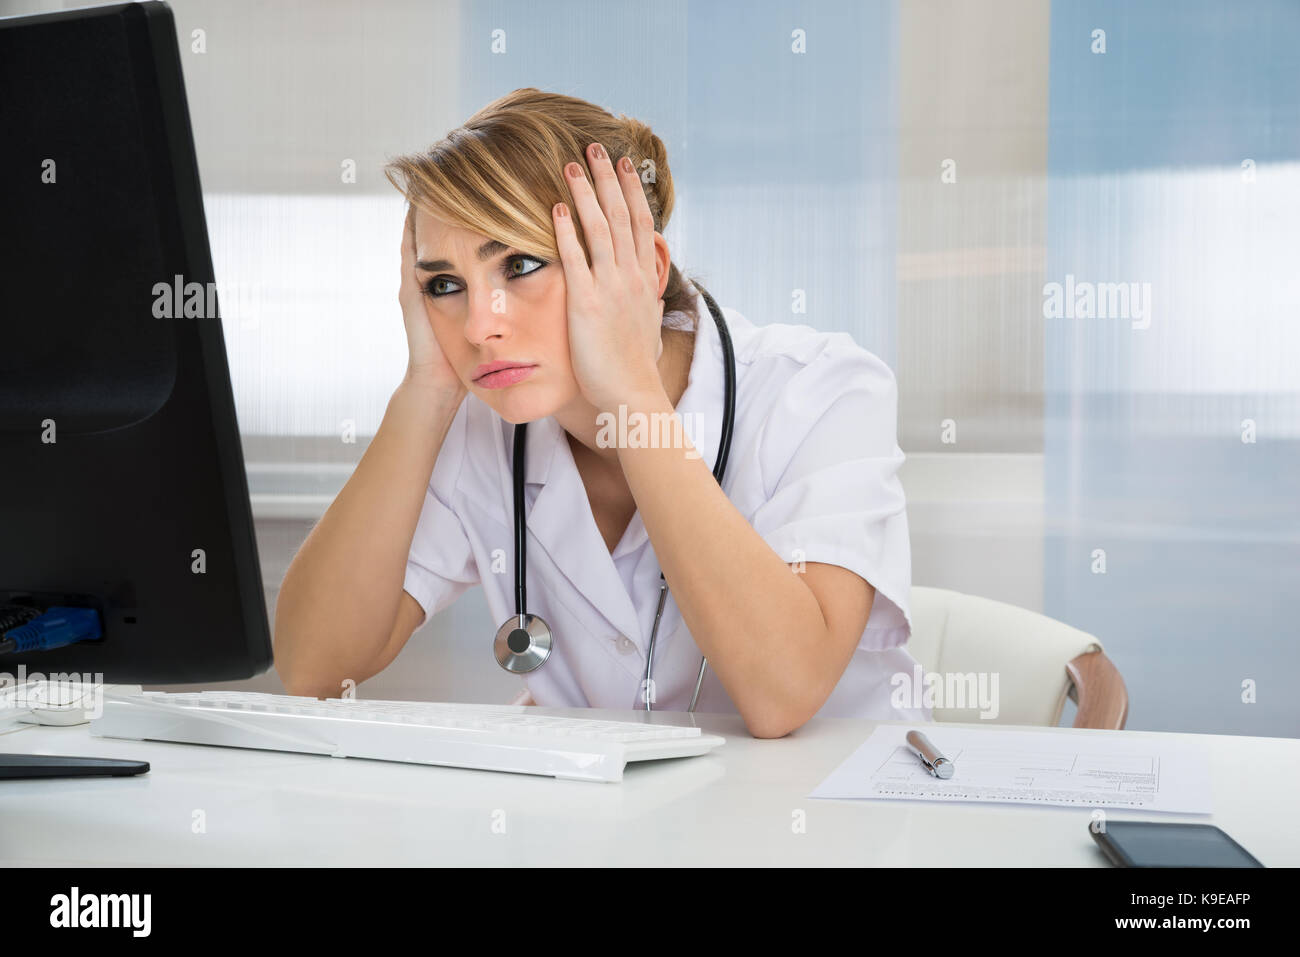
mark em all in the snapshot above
pixel 524 641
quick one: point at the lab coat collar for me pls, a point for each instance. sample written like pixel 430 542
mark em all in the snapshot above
pixel 560 525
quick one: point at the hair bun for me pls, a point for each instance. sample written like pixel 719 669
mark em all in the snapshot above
pixel 656 179
pixel 650 145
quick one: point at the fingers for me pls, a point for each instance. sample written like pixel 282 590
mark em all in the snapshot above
pixel 604 212
pixel 406 247
pixel 410 284
pixel 609 190
pixel 594 225
pixel 577 276
pixel 408 240
pixel 643 220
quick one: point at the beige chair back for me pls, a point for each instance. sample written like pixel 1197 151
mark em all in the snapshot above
pixel 1028 663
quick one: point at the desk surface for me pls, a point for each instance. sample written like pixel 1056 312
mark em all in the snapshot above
pixel 211 806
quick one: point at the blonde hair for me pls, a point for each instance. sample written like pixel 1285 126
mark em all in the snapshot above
pixel 502 172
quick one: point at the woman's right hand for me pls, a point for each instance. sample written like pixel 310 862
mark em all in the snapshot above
pixel 427 365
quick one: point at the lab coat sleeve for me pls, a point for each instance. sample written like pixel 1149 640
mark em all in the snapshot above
pixel 441 565
pixel 829 459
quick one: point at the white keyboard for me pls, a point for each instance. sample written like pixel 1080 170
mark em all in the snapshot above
pixel 485 737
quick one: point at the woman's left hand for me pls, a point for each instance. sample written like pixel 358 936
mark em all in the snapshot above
pixel 615 312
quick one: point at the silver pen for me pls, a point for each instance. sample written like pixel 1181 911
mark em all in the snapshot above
pixel 934 762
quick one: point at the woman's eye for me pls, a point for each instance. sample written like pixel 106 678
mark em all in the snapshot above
pixel 436 287
pixel 519 261
pixel 433 289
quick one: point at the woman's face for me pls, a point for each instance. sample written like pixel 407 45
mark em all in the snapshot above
pixel 491 305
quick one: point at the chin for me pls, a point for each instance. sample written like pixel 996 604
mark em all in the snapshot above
pixel 518 407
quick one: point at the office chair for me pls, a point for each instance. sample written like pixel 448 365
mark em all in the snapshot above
pixel 1039 661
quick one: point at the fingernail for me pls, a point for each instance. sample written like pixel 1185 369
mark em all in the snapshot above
pixel 560 210
pixel 625 164
pixel 598 151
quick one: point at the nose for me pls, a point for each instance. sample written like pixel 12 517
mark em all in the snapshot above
pixel 489 315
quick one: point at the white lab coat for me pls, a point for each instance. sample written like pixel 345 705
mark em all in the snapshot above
pixel 812 468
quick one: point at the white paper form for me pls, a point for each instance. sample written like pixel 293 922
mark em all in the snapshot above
pixel 1028 767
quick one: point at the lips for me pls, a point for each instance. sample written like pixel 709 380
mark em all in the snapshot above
pixel 502 373
pixel 489 367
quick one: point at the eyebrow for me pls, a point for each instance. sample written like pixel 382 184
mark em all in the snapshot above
pixel 485 252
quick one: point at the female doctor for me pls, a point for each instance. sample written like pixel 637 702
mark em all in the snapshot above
pixel 537 288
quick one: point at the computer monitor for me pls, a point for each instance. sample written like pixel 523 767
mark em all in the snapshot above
pixel 122 483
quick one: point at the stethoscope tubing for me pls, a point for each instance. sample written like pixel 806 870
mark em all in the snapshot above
pixel 719 469
pixel 510 658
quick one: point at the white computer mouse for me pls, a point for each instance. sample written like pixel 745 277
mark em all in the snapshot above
pixel 62 705
pixel 57 715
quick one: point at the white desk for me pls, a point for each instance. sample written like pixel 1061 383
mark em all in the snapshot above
pixel 735 806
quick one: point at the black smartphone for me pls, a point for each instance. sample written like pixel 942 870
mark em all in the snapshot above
pixel 1159 844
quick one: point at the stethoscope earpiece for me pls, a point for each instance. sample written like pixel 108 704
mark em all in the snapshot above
pixel 522 643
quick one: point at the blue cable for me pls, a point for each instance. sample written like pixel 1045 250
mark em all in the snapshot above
pixel 59 626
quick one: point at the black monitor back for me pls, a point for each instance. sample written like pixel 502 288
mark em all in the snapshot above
pixel 122 483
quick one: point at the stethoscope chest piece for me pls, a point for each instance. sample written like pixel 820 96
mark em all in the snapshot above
pixel 522 643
